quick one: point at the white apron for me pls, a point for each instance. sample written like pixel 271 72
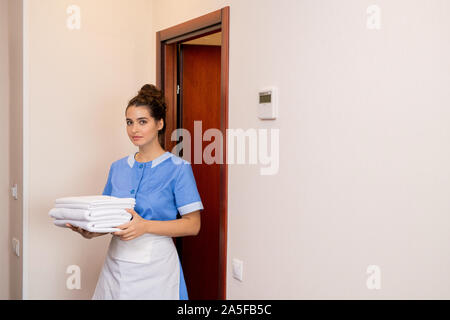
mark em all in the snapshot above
pixel 144 268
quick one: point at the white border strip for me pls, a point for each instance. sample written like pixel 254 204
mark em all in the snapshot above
pixel 26 144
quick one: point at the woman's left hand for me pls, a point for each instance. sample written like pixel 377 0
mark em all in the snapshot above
pixel 133 229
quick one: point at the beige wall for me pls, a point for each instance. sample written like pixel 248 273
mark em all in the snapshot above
pixel 4 147
pixel 80 83
pixel 364 158
pixel 15 141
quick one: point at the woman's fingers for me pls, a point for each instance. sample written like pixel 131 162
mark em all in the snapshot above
pixel 71 227
pixel 84 233
pixel 126 232
pixel 128 237
pixel 81 231
pixel 124 226
pixel 123 230
pixel 129 234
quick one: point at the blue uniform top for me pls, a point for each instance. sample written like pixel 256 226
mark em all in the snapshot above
pixel 161 187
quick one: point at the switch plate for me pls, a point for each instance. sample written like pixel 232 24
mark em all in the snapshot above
pixel 238 269
pixel 14 192
pixel 16 246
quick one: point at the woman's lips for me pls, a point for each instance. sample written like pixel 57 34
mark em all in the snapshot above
pixel 136 138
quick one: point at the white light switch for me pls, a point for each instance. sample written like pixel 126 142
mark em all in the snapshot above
pixel 16 246
pixel 14 192
pixel 238 269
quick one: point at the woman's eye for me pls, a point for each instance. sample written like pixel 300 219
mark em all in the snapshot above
pixel 141 122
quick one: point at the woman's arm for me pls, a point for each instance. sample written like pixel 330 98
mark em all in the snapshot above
pixel 188 225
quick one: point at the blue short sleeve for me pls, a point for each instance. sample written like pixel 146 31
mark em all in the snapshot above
pixel 187 198
pixel 108 187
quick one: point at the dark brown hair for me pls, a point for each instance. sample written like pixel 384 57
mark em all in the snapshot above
pixel 151 97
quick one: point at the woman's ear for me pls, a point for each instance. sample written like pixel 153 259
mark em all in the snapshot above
pixel 160 124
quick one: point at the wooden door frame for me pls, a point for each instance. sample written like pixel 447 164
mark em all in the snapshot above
pixel 166 79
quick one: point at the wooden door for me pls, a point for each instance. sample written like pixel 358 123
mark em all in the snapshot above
pixel 200 96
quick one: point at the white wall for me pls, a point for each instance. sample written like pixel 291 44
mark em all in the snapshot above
pixel 80 83
pixel 364 161
pixel 4 147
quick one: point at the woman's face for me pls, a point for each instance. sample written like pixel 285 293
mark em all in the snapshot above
pixel 142 129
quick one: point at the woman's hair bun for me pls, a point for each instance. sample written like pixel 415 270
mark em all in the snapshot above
pixel 150 91
pixel 151 96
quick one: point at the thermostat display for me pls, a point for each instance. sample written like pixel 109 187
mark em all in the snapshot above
pixel 268 104
pixel 265 97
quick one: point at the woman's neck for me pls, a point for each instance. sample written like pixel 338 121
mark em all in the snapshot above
pixel 149 152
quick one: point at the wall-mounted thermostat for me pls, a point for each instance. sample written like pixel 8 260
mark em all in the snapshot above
pixel 268 104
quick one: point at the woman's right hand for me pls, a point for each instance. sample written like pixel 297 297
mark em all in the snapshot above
pixel 86 234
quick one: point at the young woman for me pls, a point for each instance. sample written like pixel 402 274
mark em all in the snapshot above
pixel 142 261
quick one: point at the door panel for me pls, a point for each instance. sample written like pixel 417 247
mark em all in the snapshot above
pixel 200 101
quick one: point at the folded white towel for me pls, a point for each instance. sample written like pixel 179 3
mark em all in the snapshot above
pixel 89 215
pixel 92 213
pixel 92 226
pixel 96 201
pixel 93 207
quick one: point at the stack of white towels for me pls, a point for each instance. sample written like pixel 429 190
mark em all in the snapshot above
pixel 92 213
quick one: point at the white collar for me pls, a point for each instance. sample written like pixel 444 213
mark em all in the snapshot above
pixel 154 162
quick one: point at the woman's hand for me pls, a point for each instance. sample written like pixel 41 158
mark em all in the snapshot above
pixel 133 229
pixel 86 234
